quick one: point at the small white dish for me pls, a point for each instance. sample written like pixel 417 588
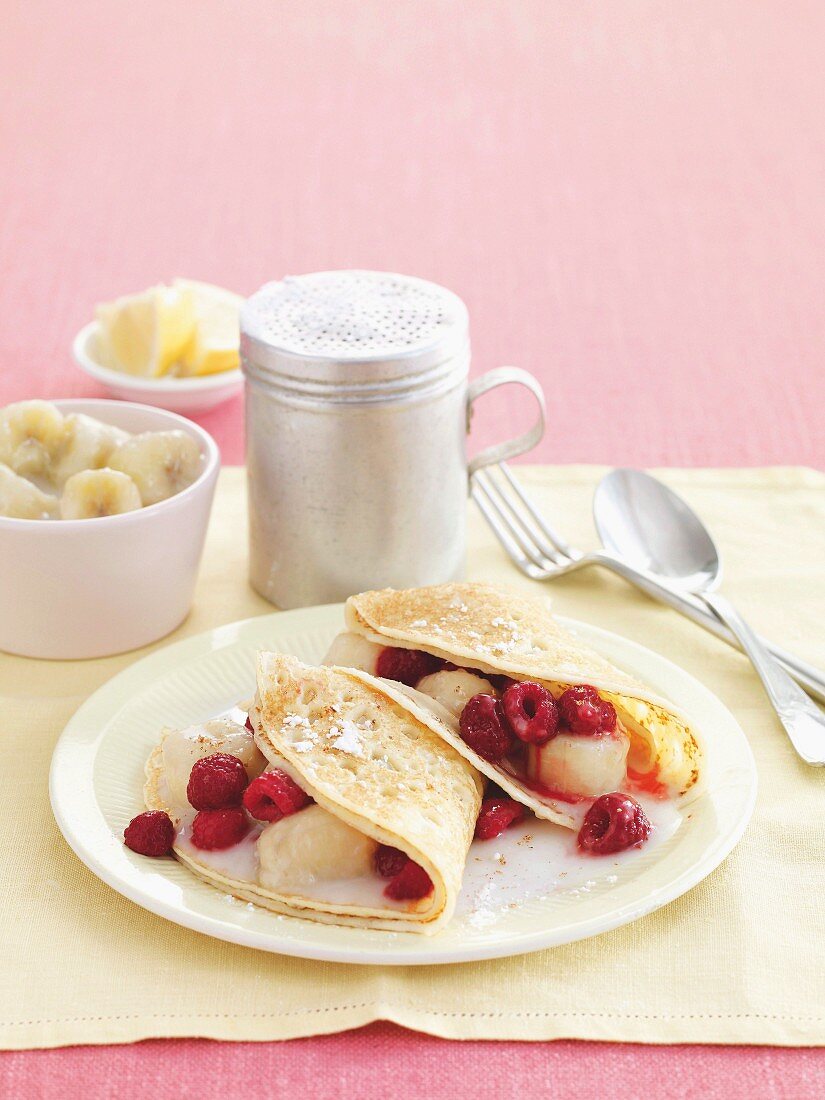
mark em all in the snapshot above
pixel 71 589
pixel 96 786
pixel 180 395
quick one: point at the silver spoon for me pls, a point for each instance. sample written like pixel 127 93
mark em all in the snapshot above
pixel 646 523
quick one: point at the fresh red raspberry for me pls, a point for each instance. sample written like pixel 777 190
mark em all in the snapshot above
pixel 410 884
pixel 406 665
pixel 483 730
pixel 609 716
pixel 248 723
pixel 614 822
pixel 150 834
pixel 216 781
pixel 531 712
pixel 214 829
pixel 389 862
pixel 496 815
pixel 584 711
pixel 274 795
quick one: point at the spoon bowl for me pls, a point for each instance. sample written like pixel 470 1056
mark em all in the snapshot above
pixel 651 527
pixel 643 521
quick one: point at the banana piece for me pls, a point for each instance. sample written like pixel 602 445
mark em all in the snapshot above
pixel 352 651
pixel 455 689
pixel 578 765
pixel 87 445
pixel 94 493
pixel 31 435
pixel 159 463
pixel 19 499
pixel 311 846
pixel 181 748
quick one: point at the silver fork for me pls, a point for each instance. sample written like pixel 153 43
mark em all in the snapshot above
pixel 540 552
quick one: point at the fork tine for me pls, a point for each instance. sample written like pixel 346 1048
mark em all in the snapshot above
pixel 504 532
pixel 518 537
pixel 508 511
pixel 555 538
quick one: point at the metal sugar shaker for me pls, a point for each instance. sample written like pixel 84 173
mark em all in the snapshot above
pixel 357 411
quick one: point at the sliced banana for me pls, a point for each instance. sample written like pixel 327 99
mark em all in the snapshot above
pixel 454 689
pixel 579 765
pixel 159 463
pixel 87 445
pixel 95 493
pixel 352 651
pixel 311 846
pixel 181 748
pixel 19 499
pixel 31 435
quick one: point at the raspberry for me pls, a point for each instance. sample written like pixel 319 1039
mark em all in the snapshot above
pixel 150 834
pixel 248 724
pixel 406 665
pixel 216 781
pixel 496 815
pixel 482 729
pixel 388 862
pixel 274 795
pixel 614 822
pixel 411 883
pixel 531 712
pixel 584 711
pixel 609 716
pixel 213 829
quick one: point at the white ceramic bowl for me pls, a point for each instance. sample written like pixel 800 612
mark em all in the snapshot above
pixel 93 587
pixel 182 395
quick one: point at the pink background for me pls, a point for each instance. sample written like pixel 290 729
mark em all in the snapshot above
pixel 629 197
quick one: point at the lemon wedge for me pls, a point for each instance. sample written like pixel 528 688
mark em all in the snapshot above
pixel 146 334
pixel 215 343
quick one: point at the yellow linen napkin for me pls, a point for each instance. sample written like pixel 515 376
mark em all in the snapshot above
pixel 740 959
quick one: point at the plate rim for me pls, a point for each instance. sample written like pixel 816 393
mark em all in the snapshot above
pixel 423 950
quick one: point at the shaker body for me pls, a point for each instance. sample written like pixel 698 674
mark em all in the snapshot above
pixel 356 421
pixel 344 498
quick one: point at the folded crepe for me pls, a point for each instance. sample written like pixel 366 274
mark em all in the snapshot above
pixel 378 773
pixel 494 632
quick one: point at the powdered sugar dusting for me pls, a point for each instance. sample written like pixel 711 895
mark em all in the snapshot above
pixel 291 721
pixel 346 737
pixel 482 912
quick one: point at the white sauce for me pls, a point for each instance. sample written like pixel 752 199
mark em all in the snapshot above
pixel 537 859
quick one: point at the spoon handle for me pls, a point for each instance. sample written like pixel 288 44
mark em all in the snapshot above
pixel 804 722
pixel 696 609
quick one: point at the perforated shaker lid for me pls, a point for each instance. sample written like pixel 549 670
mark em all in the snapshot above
pixel 351 327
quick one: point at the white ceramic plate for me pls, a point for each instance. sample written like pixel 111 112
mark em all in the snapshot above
pixel 180 395
pixel 96 788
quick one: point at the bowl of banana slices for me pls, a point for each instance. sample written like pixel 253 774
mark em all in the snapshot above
pixel 103 513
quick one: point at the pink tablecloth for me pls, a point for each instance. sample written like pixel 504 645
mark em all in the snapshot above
pixel 629 198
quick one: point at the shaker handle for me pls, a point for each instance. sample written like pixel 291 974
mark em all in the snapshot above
pixel 499 452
